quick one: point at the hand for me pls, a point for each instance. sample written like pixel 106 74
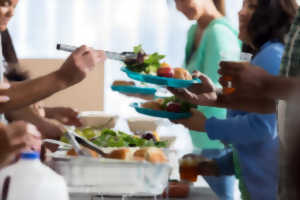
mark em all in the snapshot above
pixel 65 115
pixel 196 122
pixel 17 138
pixel 247 79
pixel 200 94
pixel 81 61
pixel 4 86
pixel 206 167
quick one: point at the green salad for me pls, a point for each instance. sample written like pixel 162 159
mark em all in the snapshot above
pixel 144 63
pixel 111 138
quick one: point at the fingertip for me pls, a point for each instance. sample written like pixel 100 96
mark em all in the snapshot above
pixel 4 99
pixel 4 85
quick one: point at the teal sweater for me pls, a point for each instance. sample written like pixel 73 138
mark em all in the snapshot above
pixel 219 36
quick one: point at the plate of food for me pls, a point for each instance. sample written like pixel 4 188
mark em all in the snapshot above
pixel 131 88
pixel 170 108
pixel 148 68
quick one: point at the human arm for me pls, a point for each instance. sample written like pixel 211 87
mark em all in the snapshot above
pixel 249 80
pixel 71 72
pixel 49 128
pixel 206 94
pixel 254 127
pixel 65 115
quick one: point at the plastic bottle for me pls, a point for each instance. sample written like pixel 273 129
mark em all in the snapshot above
pixel 32 180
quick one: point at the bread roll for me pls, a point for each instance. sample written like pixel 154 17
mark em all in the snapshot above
pixel 123 83
pixel 180 73
pixel 150 154
pixel 72 152
pixel 121 154
pixel 154 105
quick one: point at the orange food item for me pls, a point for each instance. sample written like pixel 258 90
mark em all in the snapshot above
pixel 123 83
pixel 154 105
pixel 151 154
pixel 72 152
pixel 181 73
pixel 165 65
pixel 122 154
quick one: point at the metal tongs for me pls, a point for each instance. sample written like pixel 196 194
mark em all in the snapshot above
pixel 124 56
pixel 77 140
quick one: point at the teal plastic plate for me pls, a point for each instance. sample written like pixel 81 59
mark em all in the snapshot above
pixel 159 113
pixel 158 80
pixel 134 90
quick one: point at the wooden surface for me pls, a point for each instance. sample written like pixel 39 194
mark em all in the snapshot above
pixel 87 95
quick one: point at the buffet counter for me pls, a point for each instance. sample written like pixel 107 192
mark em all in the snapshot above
pixel 196 193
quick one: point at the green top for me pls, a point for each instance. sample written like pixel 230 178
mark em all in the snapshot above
pixel 219 36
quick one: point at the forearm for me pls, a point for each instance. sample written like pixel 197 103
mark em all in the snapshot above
pixel 42 123
pixel 28 92
pixel 281 87
pixel 257 105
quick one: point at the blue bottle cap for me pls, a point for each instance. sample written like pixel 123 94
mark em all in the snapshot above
pixel 30 155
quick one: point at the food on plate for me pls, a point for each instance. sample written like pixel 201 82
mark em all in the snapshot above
pixel 181 73
pixel 111 138
pixel 165 70
pixel 150 64
pixel 169 104
pixel 144 63
pixel 174 107
pixel 123 83
pixel 154 105
pixel 150 154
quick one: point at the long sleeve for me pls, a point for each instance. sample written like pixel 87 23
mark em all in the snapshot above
pixel 242 129
pixel 225 164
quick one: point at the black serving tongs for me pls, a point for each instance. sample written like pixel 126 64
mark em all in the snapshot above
pixel 77 140
pixel 124 56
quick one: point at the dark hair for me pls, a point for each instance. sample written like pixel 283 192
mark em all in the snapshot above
pixel 220 5
pixel 271 21
pixel 14 71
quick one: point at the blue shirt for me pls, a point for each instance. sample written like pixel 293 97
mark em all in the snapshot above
pixel 254 136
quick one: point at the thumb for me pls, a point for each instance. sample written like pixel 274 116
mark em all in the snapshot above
pixel 205 79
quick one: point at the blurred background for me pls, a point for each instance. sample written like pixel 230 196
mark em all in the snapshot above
pixel 105 24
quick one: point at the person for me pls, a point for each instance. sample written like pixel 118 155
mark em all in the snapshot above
pixel 74 70
pixel 259 131
pixel 49 120
pixel 258 82
pixel 206 40
pixel 16 138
